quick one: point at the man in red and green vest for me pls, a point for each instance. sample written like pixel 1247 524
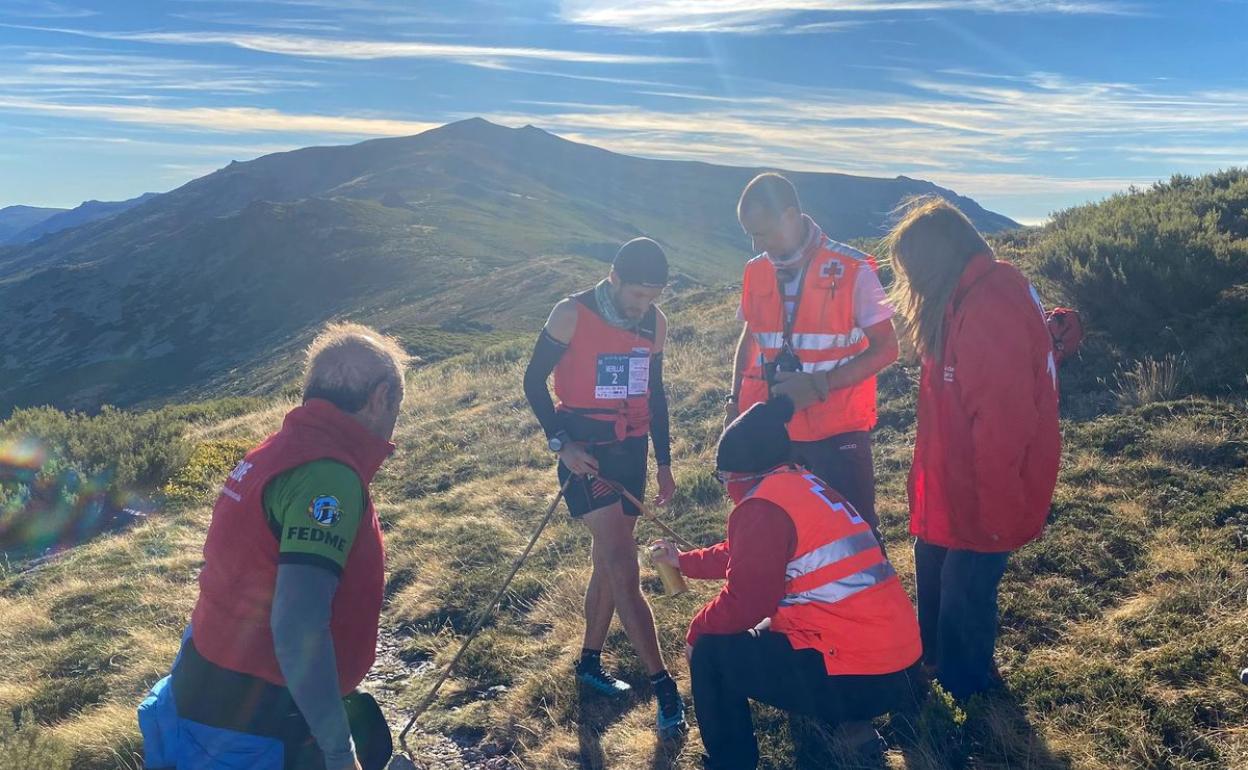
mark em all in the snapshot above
pixel 290 594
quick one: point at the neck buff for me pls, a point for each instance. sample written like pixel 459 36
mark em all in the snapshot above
pixel 813 236
pixel 607 308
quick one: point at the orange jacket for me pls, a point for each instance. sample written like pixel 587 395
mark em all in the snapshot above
pixel 823 336
pixel 842 596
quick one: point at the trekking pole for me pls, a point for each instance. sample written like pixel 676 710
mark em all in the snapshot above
pixel 427 701
pixel 648 514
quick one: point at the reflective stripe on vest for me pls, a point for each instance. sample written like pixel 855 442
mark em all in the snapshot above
pixel 810 341
pixel 831 553
pixel 817 575
pixel 842 598
pixel 827 366
pixel 837 590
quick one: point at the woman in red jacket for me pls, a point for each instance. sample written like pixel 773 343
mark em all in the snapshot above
pixel 987 450
pixel 812 618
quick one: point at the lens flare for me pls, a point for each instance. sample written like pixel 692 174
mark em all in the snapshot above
pixel 22 453
pixel 46 505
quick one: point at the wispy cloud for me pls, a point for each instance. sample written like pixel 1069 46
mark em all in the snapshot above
pixel 141 144
pixel 42 9
pixel 237 120
pixel 120 76
pixel 1011 136
pixel 250 21
pixel 608 79
pixel 312 47
pixel 362 6
pixel 751 16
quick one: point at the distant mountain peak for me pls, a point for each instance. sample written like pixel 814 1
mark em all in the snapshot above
pixel 64 219
pixel 483 131
pixel 475 127
pixel 14 219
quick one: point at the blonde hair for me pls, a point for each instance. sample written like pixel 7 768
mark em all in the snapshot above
pixel 346 362
pixel 929 249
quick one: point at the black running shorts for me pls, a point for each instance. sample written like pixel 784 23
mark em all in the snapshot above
pixel 623 462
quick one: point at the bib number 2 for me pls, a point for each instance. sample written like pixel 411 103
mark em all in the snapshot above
pixel 621 375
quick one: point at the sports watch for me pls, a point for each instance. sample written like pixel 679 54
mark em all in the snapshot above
pixel 558 441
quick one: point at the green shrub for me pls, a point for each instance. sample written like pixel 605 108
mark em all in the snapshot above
pixel 1157 273
pixel 64 475
pixel 205 469
pixel 129 449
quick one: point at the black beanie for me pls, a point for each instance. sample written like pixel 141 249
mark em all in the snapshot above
pixel 641 261
pixel 757 440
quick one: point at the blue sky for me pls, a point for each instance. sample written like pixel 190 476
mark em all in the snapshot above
pixel 1029 106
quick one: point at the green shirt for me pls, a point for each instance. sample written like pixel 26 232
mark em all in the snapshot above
pixel 315 510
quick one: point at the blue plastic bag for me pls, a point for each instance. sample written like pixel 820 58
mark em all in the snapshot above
pixel 173 743
pixel 158 721
pixel 201 747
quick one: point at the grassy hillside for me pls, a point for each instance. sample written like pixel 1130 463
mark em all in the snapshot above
pixel 1123 629
pixel 211 287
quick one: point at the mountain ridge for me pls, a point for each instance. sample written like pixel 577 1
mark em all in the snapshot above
pixel 252 257
pixel 64 219
pixel 14 219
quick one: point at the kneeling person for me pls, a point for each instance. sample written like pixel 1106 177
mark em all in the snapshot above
pixel 812 619
pixel 290 596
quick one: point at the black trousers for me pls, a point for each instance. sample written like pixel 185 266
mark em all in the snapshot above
pixel 728 671
pixel 844 461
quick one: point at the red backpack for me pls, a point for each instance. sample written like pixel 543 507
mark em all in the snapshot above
pixel 1066 329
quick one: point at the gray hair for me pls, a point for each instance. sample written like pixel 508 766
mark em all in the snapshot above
pixel 346 362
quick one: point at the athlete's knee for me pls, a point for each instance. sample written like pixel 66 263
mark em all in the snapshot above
pixel 620 564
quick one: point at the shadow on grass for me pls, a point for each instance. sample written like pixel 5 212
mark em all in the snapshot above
pixel 666 752
pixel 990 732
pixel 999 735
pixel 595 714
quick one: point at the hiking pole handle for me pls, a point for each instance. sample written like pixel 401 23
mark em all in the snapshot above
pixel 427 701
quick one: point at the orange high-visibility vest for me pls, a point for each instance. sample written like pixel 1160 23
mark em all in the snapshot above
pixel 842 596
pixel 604 375
pixel 823 335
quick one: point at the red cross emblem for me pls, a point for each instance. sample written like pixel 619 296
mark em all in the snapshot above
pixel 829 268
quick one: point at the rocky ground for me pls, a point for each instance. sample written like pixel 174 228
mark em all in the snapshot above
pixel 433 751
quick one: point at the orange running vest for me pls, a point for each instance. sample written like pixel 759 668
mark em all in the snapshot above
pixel 842 596
pixel 230 623
pixel 604 375
pixel 823 335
